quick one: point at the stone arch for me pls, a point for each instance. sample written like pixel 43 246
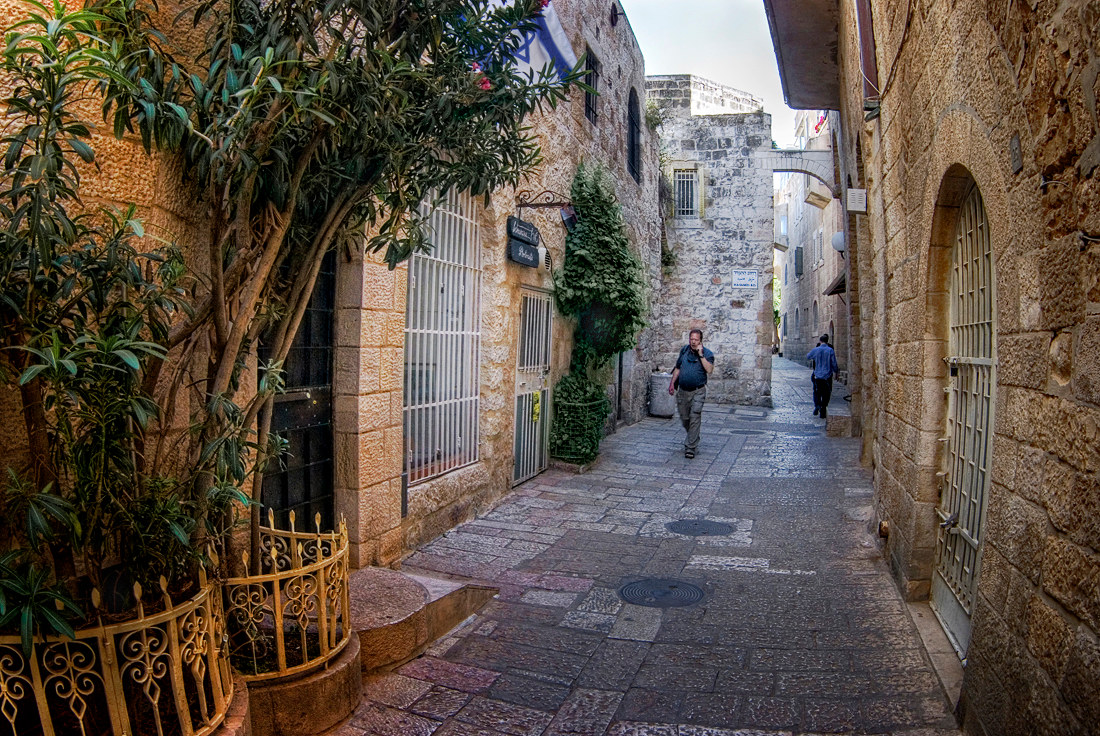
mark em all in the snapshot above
pixel 818 164
pixel 961 156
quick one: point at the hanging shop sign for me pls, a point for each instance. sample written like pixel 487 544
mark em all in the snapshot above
pixel 523 242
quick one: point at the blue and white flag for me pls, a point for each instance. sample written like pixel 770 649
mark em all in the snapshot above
pixel 549 44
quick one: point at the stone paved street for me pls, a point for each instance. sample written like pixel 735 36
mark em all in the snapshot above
pixel 800 630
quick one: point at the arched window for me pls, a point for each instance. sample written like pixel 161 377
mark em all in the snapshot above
pixel 815 318
pixel 796 332
pixel 634 138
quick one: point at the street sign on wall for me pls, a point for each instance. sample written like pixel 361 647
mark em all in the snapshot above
pixel 745 279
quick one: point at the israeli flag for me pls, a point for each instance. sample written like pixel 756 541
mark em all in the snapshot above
pixel 549 44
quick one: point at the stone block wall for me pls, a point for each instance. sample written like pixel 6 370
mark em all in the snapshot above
pixel 701 96
pixel 733 233
pixel 1003 98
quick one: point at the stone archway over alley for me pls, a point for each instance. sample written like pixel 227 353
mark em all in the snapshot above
pixel 800 628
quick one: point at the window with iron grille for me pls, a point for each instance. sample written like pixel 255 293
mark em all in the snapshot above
pixel 442 345
pixel 634 138
pixel 592 79
pixel 686 187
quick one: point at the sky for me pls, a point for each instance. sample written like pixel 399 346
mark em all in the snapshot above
pixel 726 41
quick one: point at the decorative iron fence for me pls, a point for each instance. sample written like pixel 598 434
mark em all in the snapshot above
pixel 294 616
pixel 163 673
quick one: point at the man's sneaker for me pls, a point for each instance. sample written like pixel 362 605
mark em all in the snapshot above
pixel 816 410
pixel 822 413
pixel 689 453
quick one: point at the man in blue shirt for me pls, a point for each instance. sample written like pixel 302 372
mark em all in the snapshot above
pixel 689 383
pixel 823 361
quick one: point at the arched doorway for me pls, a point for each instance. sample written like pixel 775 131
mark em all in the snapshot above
pixel 971 390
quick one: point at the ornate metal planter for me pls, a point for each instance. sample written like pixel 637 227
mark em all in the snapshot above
pixel 294 617
pixel 577 430
pixel 160 673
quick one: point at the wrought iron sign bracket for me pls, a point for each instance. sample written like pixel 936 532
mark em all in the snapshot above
pixel 525 198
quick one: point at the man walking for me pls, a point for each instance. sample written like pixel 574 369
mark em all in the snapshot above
pixel 689 383
pixel 823 361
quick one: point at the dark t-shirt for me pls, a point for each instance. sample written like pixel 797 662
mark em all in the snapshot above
pixel 692 374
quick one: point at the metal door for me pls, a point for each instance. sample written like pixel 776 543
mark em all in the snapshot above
pixel 971 389
pixel 530 451
pixel 303 415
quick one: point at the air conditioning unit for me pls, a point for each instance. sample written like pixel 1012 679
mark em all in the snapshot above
pixel 545 262
pixel 857 201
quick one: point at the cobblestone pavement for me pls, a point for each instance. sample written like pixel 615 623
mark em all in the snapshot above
pixel 800 629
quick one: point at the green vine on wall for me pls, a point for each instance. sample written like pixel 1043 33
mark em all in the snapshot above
pixel 601 285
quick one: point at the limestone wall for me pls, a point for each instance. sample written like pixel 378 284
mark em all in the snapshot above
pixel 1002 97
pixel 734 232
pixel 701 96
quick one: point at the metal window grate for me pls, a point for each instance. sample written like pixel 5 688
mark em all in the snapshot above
pixel 685 183
pixel 442 345
pixel 634 137
pixel 534 349
pixel 592 79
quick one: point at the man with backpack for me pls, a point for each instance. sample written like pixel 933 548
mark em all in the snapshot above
pixel 689 384
pixel 823 361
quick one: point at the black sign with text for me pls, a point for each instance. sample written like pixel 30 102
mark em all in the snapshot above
pixel 522 253
pixel 523 230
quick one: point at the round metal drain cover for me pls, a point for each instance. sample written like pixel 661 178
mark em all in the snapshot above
pixel 661 593
pixel 699 528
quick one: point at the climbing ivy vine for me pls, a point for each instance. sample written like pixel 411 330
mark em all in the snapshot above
pixel 601 283
pixel 601 286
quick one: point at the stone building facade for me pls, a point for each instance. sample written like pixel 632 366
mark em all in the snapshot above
pixel 975 305
pixel 389 513
pixel 718 230
pixel 811 271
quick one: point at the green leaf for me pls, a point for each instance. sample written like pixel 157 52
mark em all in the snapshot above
pixel 128 358
pixel 30 374
pixel 83 150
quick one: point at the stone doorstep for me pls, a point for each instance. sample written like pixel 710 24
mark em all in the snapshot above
pixel 397 614
pixel 944 658
pixel 568 467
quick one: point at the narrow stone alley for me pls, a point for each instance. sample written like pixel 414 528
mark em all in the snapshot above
pixel 799 629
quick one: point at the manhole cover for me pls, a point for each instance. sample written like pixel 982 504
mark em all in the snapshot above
pixel 746 431
pixel 661 593
pixel 699 528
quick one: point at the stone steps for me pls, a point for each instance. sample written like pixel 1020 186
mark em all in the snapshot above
pixel 397 615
